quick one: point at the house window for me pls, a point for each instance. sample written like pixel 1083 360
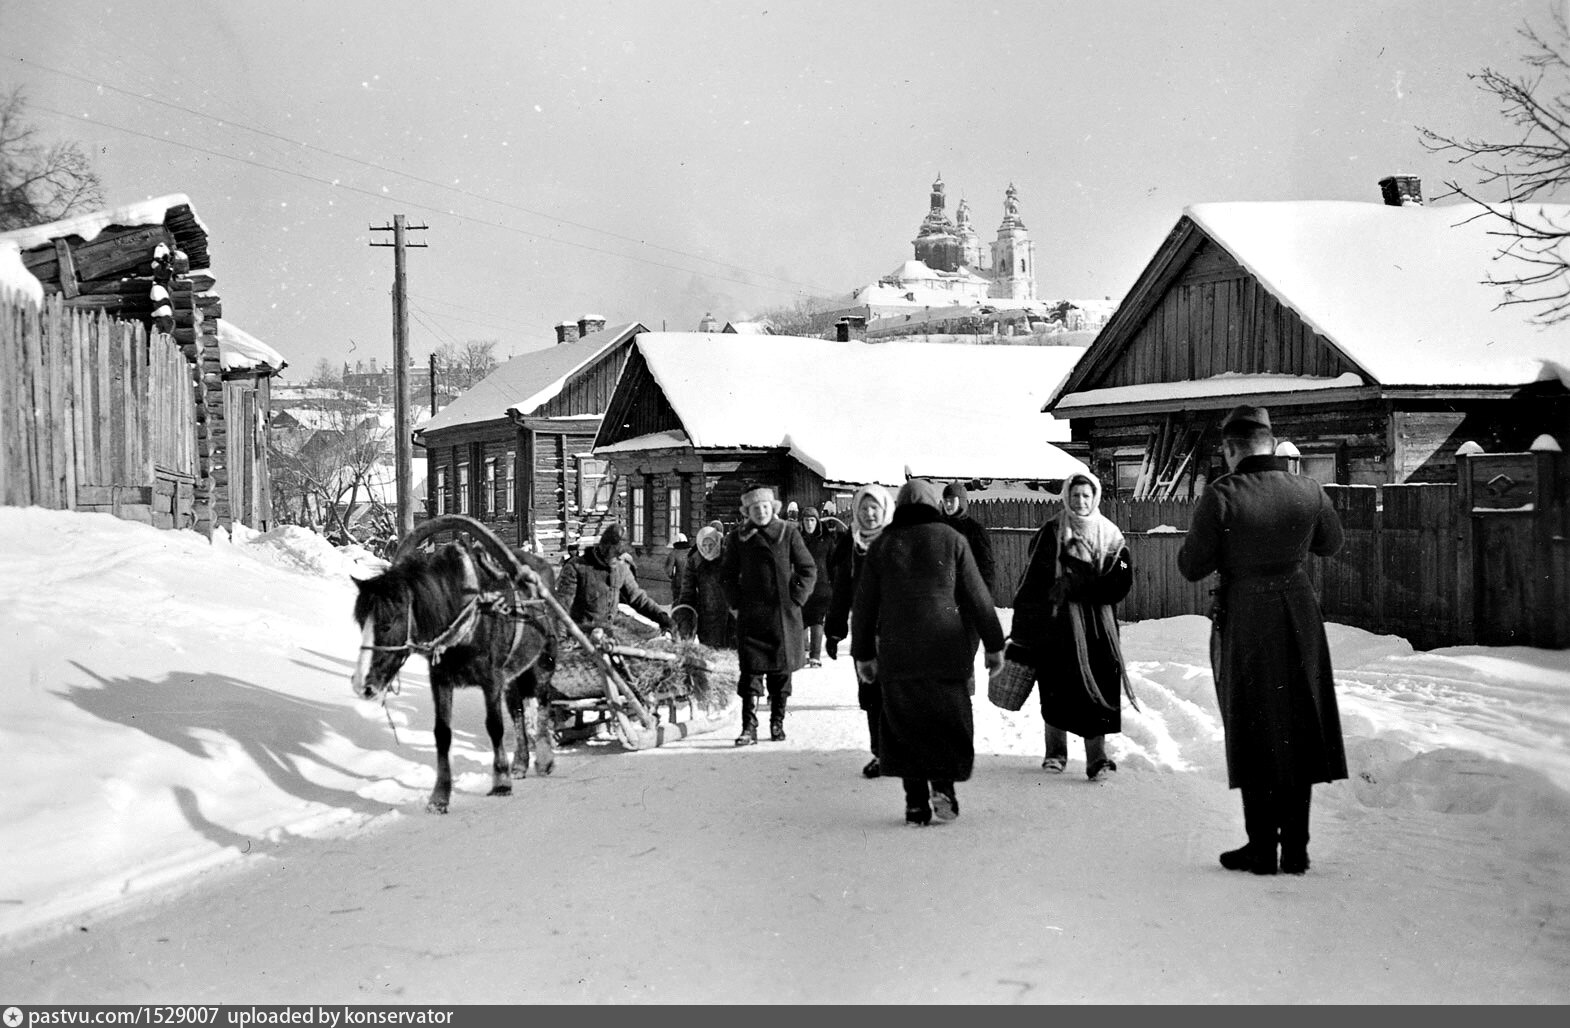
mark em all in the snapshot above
pixel 463 488
pixel 488 497
pixel 594 485
pixel 637 515
pixel 1126 462
pixel 441 490
pixel 1321 467
pixel 674 524
pixel 510 485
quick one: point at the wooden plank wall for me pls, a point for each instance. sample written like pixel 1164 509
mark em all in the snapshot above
pixel 1216 318
pixel 94 414
pixel 1395 574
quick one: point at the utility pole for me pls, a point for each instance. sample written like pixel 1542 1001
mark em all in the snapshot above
pixel 433 385
pixel 403 445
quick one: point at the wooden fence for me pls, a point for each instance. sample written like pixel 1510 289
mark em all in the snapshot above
pixel 1404 568
pixel 95 414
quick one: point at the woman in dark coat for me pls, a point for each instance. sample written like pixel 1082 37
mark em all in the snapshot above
pixel 820 535
pixel 1065 628
pixel 919 609
pixel 592 584
pixel 1268 651
pixel 702 591
pixel 870 508
pixel 767 575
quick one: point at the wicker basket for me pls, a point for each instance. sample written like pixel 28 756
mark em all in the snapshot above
pixel 1010 687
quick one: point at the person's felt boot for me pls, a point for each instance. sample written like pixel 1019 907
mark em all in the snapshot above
pixel 777 720
pixel 918 804
pixel 749 722
pixel 1259 820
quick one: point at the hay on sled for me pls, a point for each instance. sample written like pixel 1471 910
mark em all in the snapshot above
pixel 706 676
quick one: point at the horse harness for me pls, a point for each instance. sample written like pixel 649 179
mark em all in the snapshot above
pixel 498 603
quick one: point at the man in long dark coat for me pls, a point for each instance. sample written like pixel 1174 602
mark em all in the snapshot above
pixel 920 609
pixel 1268 650
pixel 767 574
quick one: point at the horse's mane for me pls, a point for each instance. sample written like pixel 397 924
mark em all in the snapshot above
pixel 434 580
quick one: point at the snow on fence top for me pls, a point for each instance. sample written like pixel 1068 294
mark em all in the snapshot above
pixel 238 350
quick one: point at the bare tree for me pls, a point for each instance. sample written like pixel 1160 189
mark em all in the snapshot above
pixel 459 367
pixel 40 181
pixel 804 316
pixel 326 373
pixel 323 469
pixel 1524 170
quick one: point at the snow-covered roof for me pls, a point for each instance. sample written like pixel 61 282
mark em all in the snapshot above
pixel 1399 290
pixel 748 328
pixel 87 226
pixel 865 412
pixel 1226 387
pixel 238 350
pixel 528 380
pixel 14 275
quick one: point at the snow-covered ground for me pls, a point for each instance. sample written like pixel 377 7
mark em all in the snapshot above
pixel 173 704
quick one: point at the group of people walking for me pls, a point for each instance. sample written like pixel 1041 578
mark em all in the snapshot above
pixel 911 582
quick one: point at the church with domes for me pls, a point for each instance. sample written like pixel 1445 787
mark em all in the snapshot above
pixel 953 248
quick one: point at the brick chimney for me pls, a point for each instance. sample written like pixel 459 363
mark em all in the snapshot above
pixel 1402 190
pixel 588 324
pixel 851 328
pixel 567 332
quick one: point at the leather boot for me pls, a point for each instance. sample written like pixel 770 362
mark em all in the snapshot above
pixel 749 721
pixel 1293 807
pixel 777 718
pixel 1259 856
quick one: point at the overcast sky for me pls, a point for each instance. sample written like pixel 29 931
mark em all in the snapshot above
pixel 654 161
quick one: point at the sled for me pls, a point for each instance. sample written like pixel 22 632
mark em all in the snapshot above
pixel 600 686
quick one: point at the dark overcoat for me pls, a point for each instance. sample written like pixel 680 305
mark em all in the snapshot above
pixel 820 543
pixel 702 591
pixel 920 609
pixel 592 584
pixel 845 562
pixel 975 534
pixel 767 575
pixel 1274 681
pixel 1042 636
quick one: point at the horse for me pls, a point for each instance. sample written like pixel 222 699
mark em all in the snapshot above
pixel 477 625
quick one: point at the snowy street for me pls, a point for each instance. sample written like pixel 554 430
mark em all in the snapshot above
pixel 197 810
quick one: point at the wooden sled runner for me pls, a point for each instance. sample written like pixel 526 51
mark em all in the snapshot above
pixel 643 695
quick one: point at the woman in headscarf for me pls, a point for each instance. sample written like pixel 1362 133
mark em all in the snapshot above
pixel 701 589
pixel 870 510
pixel 1065 627
pixel 920 609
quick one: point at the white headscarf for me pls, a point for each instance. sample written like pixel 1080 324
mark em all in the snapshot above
pixel 1093 537
pixel 862 538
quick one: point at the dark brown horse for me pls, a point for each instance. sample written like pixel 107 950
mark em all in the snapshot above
pixel 477 625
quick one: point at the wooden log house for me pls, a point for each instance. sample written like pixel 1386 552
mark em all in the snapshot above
pixel 697 416
pixel 1368 330
pixel 513 451
pixel 147 264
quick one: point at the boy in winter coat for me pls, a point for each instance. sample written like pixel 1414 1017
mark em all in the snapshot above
pixel 768 576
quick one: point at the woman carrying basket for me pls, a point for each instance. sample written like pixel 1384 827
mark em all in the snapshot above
pixel 1065 632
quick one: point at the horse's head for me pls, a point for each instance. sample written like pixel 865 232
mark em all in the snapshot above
pixel 384 610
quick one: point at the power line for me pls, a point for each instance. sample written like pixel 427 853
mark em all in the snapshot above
pixel 385 197
pixel 232 123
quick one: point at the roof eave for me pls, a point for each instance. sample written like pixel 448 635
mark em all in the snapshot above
pixel 1268 398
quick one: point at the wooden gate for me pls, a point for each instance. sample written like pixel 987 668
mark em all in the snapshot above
pixel 1509 593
